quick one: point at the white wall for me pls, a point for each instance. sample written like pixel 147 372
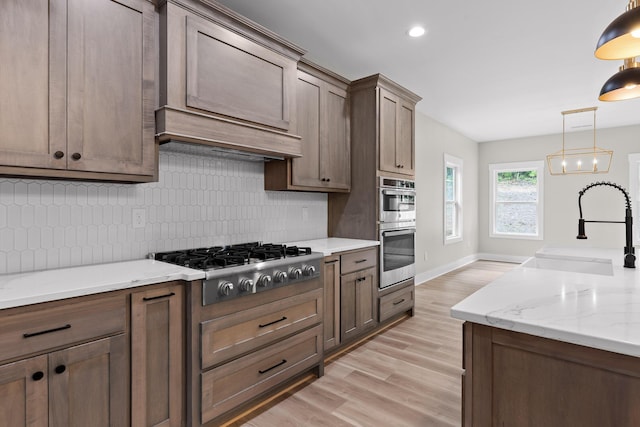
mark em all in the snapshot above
pixel 199 200
pixel 561 192
pixel 433 139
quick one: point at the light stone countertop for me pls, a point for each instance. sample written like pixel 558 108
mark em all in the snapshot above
pixel 592 310
pixel 332 245
pixel 50 285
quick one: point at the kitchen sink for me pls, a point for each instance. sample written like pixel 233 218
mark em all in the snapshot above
pixel 585 265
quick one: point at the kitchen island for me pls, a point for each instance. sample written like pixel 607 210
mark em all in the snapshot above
pixel 554 343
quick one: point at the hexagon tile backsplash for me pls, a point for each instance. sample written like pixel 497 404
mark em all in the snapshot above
pixel 198 201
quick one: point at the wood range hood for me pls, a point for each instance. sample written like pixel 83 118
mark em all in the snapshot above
pixel 225 81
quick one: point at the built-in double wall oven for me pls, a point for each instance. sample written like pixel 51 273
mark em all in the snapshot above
pixel 397 224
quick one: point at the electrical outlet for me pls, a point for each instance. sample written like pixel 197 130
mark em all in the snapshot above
pixel 426 256
pixel 139 218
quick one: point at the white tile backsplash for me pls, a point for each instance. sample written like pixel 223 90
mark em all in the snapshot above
pixel 199 200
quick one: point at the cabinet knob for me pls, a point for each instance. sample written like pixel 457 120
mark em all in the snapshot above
pixel 37 376
pixel 398 165
pixel 328 179
pixel 76 156
pixel 323 179
pixel 60 369
pixel 58 154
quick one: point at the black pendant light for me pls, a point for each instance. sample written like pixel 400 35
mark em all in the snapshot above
pixel 621 39
pixel 625 84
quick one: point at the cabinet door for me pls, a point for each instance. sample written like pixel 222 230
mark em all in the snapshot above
pixel 32 105
pixel 157 359
pixel 389 105
pixel 367 299
pixel 405 142
pixel 357 301
pixel 331 302
pixel 89 384
pixel 23 393
pixel 396 134
pixel 335 150
pixel 111 91
pixel 306 170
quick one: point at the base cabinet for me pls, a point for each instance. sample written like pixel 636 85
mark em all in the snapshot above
pixel 243 349
pixel 358 293
pixel 84 385
pixel 157 356
pixel 331 302
pixel 397 299
pixel 516 379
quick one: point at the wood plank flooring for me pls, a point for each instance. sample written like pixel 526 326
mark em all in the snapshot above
pixel 405 376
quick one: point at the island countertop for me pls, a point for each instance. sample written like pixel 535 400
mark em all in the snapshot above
pixel 593 310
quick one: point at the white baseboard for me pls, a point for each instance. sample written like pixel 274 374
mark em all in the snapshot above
pixel 446 268
pixel 443 269
pixel 516 259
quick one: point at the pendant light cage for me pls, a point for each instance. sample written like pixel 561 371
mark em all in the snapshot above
pixel 584 160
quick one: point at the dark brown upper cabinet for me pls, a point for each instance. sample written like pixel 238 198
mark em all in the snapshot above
pixel 323 123
pixel 78 89
pixel 225 81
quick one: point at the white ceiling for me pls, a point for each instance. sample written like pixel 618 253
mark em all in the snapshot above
pixel 490 69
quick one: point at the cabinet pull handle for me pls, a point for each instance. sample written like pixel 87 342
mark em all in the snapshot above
pixel 158 297
pixel 273 367
pixel 60 369
pixel 35 334
pixel 37 376
pixel 331 262
pixel 58 154
pixel 360 260
pixel 76 156
pixel 271 323
pixel 399 302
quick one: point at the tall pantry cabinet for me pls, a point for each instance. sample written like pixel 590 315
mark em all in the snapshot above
pixel 382 144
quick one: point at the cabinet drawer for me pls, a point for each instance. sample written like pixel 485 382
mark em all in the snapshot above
pixel 359 260
pixel 230 385
pixel 396 302
pixel 243 331
pixel 45 328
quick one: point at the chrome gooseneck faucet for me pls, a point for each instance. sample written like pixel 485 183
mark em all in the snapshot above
pixel 629 250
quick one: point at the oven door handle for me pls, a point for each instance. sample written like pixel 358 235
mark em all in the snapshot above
pixel 399 192
pixel 399 232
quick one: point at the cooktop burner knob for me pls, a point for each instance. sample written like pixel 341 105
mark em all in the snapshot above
pixel 246 285
pixel 264 280
pixel 294 273
pixel 225 288
pixel 280 276
pixel 308 270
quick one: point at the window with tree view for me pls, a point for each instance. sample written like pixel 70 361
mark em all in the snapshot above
pixel 516 194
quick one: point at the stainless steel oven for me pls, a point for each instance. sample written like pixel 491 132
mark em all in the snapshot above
pixel 397 198
pixel 397 252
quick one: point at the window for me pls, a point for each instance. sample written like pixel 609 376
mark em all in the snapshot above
pixel 634 193
pixel 452 199
pixel 516 200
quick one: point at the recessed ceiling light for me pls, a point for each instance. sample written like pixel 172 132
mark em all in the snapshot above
pixel 416 31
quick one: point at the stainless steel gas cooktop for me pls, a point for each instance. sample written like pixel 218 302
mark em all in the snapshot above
pixel 244 269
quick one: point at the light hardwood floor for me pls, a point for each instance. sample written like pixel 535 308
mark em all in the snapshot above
pixel 407 375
